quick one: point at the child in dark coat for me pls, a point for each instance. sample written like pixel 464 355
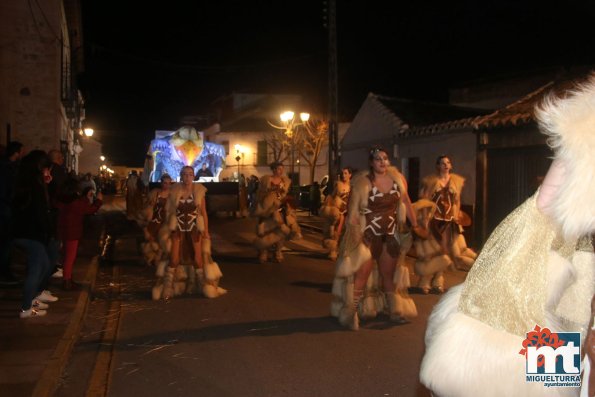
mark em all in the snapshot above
pixel 72 210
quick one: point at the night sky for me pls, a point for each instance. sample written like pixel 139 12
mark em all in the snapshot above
pixel 147 65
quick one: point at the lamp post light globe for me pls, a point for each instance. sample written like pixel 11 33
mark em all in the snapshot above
pixel 286 116
pixel 102 158
pixel 88 132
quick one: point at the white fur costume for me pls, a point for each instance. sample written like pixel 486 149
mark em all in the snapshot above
pixel 431 262
pixel 331 212
pixel 536 269
pixel 153 251
pixel 462 256
pixel 185 278
pixel 353 253
pixel 273 229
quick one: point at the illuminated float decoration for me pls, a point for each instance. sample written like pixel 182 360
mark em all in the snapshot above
pixel 186 146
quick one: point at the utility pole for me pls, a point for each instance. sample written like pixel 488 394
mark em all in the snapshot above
pixel 333 105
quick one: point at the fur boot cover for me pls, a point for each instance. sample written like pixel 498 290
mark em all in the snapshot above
pixel 269 233
pixel 294 230
pixel 212 273
pixel 168 284
pixel 151 252
pixel 332 247
pixel 353 253
pixel 431 263
pixel 157 290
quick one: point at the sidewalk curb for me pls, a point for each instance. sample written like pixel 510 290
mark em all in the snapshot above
pixel 50 377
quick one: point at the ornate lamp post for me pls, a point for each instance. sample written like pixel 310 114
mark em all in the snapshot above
pixel 290 124
pixel 239 156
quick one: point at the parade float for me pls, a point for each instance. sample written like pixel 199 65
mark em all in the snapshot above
pixel 170 151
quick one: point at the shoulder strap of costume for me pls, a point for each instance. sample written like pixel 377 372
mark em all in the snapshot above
pixel 398 178
pixel 457 182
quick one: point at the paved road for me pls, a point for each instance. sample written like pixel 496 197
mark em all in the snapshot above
pixel 271 335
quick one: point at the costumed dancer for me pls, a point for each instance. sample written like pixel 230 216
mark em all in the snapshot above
pixel 439 210
pixel 277 221
pixel 155 216
pixel 334 210
pixel 189 243
pixel 370 273
pixel 536 269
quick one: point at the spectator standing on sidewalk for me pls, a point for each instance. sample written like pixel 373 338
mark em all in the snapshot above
pixel 72 210
pixel 31 229
pixel 252 188
pixel 8 173
pixel 314 198
pixel 243 197
pixel 88 182
pixel 134 195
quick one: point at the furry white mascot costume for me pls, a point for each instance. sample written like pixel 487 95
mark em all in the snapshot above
pixel 185 277
pixel 537 268
pixel 354 253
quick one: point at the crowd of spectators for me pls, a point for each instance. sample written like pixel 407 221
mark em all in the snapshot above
pixel 41 213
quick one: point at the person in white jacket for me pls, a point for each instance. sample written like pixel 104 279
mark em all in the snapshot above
pixel 537 269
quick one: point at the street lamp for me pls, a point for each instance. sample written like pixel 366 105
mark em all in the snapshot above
pixel 239 155
pixel 88 132
pixel 102 158
pixel 290 125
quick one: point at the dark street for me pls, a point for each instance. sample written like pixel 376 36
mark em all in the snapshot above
pixel 270 335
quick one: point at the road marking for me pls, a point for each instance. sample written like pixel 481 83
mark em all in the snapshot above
pixel 101 375
pixel 47 383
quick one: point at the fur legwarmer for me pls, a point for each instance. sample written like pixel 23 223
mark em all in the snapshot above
pixel 353 253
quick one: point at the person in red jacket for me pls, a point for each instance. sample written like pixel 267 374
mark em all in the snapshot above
pixel 72 209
